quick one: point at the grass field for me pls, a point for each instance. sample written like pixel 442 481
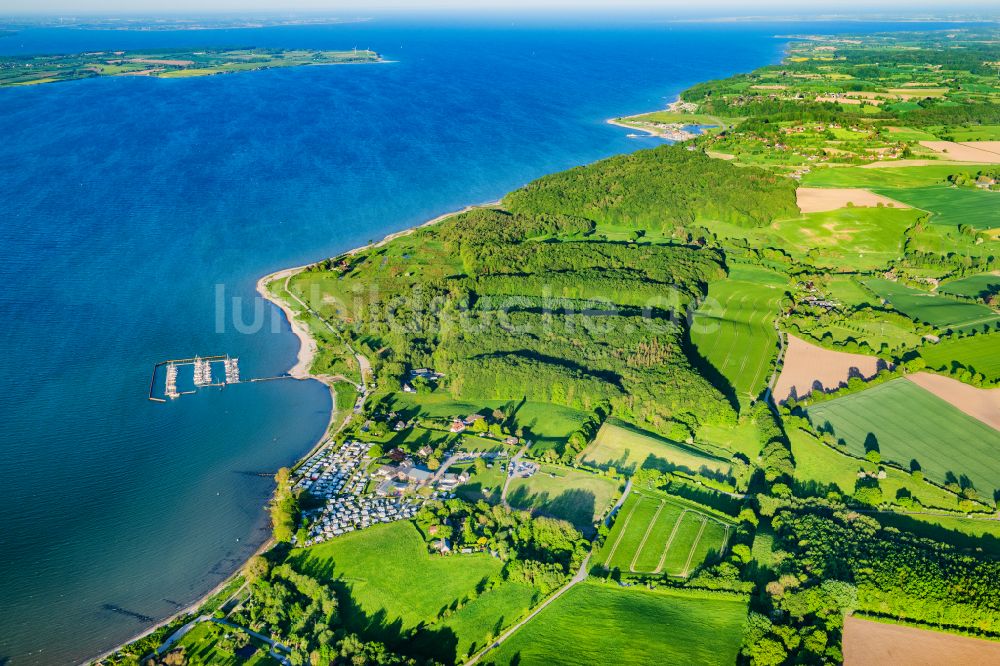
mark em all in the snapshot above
pixel 980 353
pixel 974 286
pixel 951 205
pixel 940 311
pixel 734 328
pixel 627 449
pixel 563 492
pixel 820 466
pixel 388 583
pixel 906 423
pixel 657 533
pixel 921 187
pixel 595 623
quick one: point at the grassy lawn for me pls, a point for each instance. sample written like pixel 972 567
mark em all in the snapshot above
pixel 655 532
pixel 476 623
pixel 940 311
pixel 739 438
pixel 734 328
pixel 485 485
pixel 388 582
pixel 978 352
pixel 627 449
pixel 562 492
pixel 597 623
pixel 906 423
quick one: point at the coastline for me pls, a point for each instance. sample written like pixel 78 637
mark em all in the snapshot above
pixel 670 133
pixel 300 370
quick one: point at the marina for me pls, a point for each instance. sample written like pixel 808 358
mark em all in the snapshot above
pixel 202 375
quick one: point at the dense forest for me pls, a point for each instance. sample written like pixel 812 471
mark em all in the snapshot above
pixel 656 189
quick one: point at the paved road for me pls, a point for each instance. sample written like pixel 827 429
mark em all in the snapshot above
pixel 580 576
pixel 618 504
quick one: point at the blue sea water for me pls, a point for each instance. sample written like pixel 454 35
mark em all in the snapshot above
pixel 127 203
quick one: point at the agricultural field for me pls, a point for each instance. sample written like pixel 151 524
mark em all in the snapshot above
pixel 627 449
pixel 808 367
pixel 922 187
pixel 598 623
pixel 656 533
pixel 563 492
pixel 974 286
pixel 937 310
pixel 871 642
pixel 977 353
pixel 373 566
pixel 734 328
pixel 913 428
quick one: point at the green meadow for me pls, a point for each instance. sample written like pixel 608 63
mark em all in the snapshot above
pixel 973 286
pixel 937 310
pixel 388 582
pixel 914 428
pixel 563 492
pixel 627 448
pixel 977 353
pixel 596 623
pixel 734 328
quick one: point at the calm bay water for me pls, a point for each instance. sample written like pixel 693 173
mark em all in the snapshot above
pixel 125 201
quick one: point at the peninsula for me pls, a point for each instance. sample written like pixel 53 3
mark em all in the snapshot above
pixel 32 70
pixel 685 405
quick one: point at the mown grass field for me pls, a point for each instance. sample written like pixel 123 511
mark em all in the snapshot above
pixel 979 353
pixel 734 328
pixel 627 449
pixel 656 533
pixel 596 623
pixel 906 423
pixel 563 492
pixel 389 582
pixel 934 309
